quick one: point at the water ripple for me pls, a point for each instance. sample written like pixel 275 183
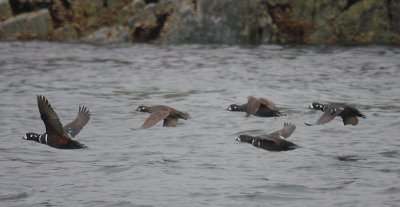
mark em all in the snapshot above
pixel 199 163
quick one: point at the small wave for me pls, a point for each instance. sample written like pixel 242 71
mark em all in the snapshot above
pixel 391 190
pixel 349 158
pixel 15 196
pixel 391 154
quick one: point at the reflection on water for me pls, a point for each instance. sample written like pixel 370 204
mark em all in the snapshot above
pixel 199 163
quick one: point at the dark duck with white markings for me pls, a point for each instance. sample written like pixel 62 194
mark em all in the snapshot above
pixel 261 107
pixel 56 135
pixel 275 141
pixel 348 113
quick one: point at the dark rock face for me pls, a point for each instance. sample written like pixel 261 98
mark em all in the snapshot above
pixel 149 24
pixel 223 21
pixel 394 18
pixel 346 22
pixel 291 28
pixel 363 22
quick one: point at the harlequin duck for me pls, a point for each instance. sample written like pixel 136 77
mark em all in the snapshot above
pixel 159 112
pixel 348 113
pixel 272 142
pixel 261 107
pixel 56 135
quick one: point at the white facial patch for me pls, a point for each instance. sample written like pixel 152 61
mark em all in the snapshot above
pixel 24 137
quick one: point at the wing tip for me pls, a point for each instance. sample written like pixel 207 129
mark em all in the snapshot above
pixel 249 97
pixel 84 110
pixel 289 124
pixel 308 124
pixel 187 116
pixel 43 104
pixel 146 126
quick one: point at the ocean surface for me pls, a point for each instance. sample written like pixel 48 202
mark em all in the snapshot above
pixel 199 162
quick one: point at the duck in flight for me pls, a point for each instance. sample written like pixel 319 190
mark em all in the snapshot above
pixel 162 112
pixel 275 141
pixel 56 135
pixel 348 113
pixel 261 107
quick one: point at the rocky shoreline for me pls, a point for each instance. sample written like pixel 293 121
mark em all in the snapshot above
pixel 310 22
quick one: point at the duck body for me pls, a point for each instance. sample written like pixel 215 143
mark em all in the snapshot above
pixel 56 135
pixel 275 141
pixel 260 107
pixel 348 113
pixel 162 112
pixel 56 141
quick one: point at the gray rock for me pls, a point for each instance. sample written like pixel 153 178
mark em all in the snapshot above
pixel 325 12
pixel 130 10
pixel 210 21
pixel 364 22
pixel 66 33
pixel 115 34
pixel 149 24
pixel 5 10
pixel 33 25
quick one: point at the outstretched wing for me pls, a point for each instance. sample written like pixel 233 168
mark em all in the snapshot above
pixel 285 132
pixel 252 105
pixel 273 142
pixel 74 127
pixel 327 116
pixel 268 138
pixel 268 103
pixel 155 117
pixel 49 117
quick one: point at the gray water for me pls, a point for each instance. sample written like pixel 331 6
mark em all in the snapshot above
pixel 199 163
